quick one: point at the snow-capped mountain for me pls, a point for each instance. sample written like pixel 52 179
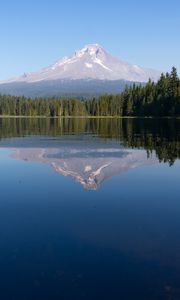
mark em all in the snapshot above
pixel 90 62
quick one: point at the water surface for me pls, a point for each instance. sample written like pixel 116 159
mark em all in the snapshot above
pixel 89 209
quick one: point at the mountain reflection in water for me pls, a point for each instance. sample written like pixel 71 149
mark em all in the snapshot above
pixel 90 166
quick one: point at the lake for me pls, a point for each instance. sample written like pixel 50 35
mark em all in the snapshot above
pixel 89 209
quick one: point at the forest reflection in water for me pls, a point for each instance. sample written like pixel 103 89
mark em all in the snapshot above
pixel 92 150
pixel 160 135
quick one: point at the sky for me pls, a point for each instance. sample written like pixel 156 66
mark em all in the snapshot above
pixel 34 34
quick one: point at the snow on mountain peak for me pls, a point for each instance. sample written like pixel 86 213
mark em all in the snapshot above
pixel 90 49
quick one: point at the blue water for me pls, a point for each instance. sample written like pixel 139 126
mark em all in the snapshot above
pixel 86 217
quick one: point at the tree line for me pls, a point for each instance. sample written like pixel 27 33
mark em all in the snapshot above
pixel 152 99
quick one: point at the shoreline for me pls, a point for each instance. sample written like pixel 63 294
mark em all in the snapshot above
pixel 88 117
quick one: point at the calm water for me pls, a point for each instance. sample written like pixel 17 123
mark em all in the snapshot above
pixel 89 209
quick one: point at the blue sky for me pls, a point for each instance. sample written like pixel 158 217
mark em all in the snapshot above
pixel 34 34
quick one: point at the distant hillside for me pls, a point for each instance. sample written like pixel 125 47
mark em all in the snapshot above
pixel 65 88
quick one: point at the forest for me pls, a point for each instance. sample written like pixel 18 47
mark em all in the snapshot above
pixel 152 99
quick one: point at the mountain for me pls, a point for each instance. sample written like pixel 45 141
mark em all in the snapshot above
pixel 90 62
pixel 92 65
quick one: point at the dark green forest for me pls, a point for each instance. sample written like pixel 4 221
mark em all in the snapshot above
pixel 153 99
